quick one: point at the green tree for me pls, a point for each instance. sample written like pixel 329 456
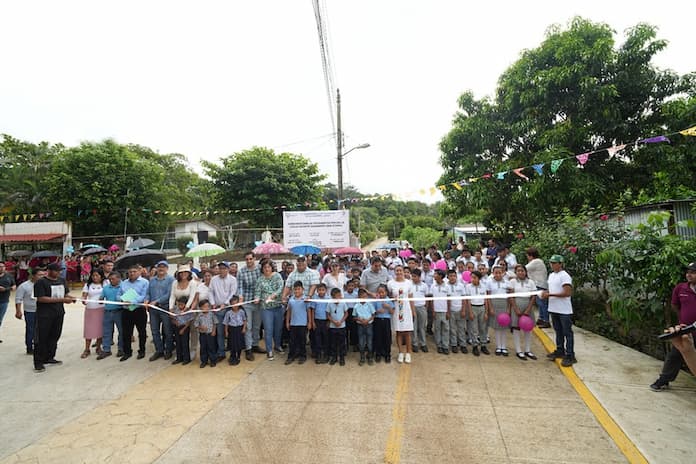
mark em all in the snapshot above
pixel 421 237
pixel 261 180
pixel 23 167
pixel 94 183
pixel 577 92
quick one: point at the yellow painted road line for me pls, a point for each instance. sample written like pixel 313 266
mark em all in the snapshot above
pixel 143 423
pixel 627 447
pixel 392 450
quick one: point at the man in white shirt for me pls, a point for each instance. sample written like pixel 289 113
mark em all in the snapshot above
pixel 561 310
pixel 222 288
pixel 536 270
pixel 24 299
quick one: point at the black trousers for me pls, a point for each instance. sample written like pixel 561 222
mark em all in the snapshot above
pixel 136 318
pixel 672 365
pixel 235 341
pixel 337 343
pixel 49 326
pixel 298 339
pixel 320 337
pixel 382 337
pixel 183 350
pixel 208 349
pixel 351 329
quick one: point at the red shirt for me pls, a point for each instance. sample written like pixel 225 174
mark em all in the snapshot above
pixel 684 297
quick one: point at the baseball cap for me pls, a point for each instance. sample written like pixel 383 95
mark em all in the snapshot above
pixel 691 267
pixel 224 264
pixel 556 259
pixel 162 263
pixel 302 258
pixel 53 267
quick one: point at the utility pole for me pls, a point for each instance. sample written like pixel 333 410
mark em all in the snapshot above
pixel 339 151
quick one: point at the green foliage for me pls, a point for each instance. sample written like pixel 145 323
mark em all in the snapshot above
pixel 421 237
pixel 575 93
pixel 643 270
pixel 101 180
pixel 261 179
pixel 181 243
pixel 364 223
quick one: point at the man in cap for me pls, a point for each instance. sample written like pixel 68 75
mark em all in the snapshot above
pixel 561 311
pixel 158 293
pixel 137 317
pixel 222 288
pixel 51 293
pixel 684 303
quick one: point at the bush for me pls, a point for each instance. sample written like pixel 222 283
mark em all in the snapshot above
pixel 181 243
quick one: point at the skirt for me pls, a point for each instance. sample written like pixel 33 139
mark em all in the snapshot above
pixel 94 323
pixel 499 306
pixel 402 319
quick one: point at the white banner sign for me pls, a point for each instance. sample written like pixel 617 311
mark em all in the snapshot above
pixel 325 229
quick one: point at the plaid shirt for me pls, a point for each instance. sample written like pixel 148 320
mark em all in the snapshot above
pixel 247 282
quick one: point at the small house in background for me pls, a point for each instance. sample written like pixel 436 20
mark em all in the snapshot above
pixel 681 210
pixel 36 236
pixel 200 230
pixel 469 232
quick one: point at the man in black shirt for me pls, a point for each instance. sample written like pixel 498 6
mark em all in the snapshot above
pixel 50 292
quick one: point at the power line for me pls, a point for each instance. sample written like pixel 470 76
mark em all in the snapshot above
pixel 319 14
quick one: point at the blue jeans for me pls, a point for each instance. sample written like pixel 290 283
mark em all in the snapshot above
pixel 272 327
pixel 3 310
pixel 543 305
pixel 157 318
pixel 365 338
pixel 220 335
pixel 30 322
pixel 563 326
pixel 111 318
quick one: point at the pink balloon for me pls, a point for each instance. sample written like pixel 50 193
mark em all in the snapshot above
pixel 526 323
pixel 503 319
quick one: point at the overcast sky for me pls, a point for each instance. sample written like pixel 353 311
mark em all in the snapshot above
pixel 210 78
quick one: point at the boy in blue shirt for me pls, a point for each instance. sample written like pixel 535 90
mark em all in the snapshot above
pixel 337 314
pixel 235 323
pixel 319 335
pixel 364 315
pixel 350 293
pixel 296 321
pixel 205 324
pixel 113 314
pixel 382 327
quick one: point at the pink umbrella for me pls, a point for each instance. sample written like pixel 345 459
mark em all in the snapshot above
pixel 114 248
pixel 348 251
pixel 405 253
pixel 270 248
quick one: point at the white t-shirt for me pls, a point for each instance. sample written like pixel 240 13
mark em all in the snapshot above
pixel 557 304
pixel 537 272
pixel 476 291
pixel 439 306
pixel 419 291
pixel 456 289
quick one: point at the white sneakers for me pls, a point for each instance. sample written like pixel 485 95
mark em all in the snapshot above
pixel 407 358
pixel 400 358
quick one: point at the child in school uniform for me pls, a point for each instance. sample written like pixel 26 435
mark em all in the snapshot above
pixel 319 338
pixel 441 312
pixel 364 315
pixel 205 324
pixel 498 286
pixel 351 293
pixel 420 290
pixel 382 325
pixel 182 321
pixel 337 313
pixel 478 315
pixel 522 306
pixel 235 323
pixel 458 314
pixel 296 321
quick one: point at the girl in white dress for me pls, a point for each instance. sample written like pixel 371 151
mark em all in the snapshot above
pixel 400 288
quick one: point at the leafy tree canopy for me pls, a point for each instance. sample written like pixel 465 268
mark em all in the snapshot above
pixel 260 178
pixel 575 93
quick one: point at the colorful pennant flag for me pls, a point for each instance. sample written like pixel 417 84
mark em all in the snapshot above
pixel 615 149
pixel 658 139
pixel 690 131
pixel 582 159
pixel 518 171
pixel 555 164
pixel 539 168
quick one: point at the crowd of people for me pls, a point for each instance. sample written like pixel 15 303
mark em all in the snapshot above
pixel 338 303
pixel 224 311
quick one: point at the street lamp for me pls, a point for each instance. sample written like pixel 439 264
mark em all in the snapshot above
pixel 340 170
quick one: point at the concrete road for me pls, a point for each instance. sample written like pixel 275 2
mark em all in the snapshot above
pixel 456 408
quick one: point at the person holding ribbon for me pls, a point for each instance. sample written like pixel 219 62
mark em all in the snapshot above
pixel 268 293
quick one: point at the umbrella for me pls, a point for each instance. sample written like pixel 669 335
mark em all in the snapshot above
pixel 141 243
pixel 142 257
pixel 270 248
pixel 205 249
pixel 94 251
pixel 45 254
pixel 114 248
pixel 405 253
pixel 388 246
pixel 348 251
pixel 88 246
pixel 305 249
pixel 18 253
